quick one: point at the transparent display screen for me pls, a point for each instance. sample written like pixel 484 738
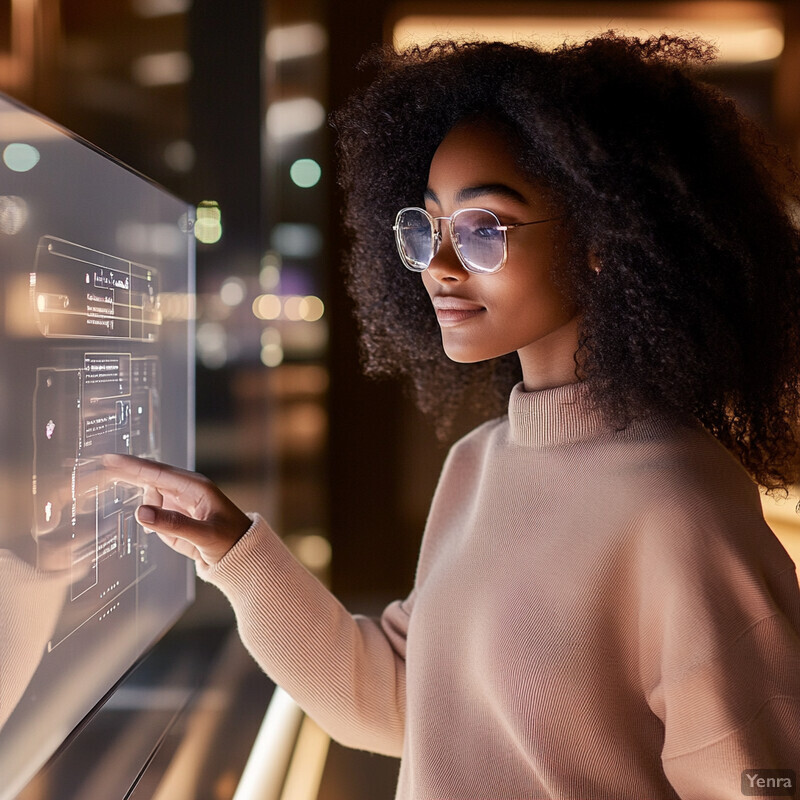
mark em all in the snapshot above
pixel 96 307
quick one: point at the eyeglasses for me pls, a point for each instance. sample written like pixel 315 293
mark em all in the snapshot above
pixel 478 237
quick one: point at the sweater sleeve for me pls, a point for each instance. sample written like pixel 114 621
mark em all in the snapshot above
pixel 723 633
pixel 346 671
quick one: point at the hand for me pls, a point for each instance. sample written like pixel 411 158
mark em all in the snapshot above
pixel 185 509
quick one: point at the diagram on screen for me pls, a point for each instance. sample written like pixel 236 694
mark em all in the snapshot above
pixel 79 292
pixel 94 401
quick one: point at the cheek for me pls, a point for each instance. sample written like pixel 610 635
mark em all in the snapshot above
pixel 531 284
pixel 427 282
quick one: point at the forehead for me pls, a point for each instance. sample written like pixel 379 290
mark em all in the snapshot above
pixel 477 153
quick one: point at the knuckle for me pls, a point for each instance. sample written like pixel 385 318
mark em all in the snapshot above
pixel 205 482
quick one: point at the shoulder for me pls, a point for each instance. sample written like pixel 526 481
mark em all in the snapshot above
pixel 708 572
pixel 690 478
pixel 708 565
pixel 472 448
pixel 697 506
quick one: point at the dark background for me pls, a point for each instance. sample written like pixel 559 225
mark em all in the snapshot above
pixel 340 464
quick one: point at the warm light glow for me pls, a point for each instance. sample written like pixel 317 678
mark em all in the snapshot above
pixel 160 8
pixel 271 355
pixel 267 306
pixel 739 39
pixel 296 41
pixel 291 308
pixel 294 117
pixel 19 322
pixel 305 173
pixel 311 308
pixel 781 516
pixel 314 551
pixel 162 69
pixel 304 775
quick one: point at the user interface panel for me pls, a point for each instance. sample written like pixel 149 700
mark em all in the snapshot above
pixel 96 308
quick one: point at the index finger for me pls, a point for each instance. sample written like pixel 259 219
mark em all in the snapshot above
pixel 143 472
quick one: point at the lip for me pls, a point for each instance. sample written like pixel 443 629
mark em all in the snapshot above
pixel 453 310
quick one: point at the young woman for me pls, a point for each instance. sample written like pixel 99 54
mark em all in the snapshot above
pixel 605 252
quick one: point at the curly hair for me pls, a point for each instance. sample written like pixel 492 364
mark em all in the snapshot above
pixel 680 198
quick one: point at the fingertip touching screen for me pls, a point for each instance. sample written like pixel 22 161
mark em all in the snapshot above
pixel 96 352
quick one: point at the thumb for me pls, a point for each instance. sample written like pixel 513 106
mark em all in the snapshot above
pixel 188 536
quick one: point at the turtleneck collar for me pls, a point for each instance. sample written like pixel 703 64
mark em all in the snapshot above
pixel 565 414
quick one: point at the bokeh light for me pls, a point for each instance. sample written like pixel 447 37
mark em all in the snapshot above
pixel 20 157
pixel 294 117
pixel 305 173
pixel 271 355
pixel 267 306
pixel 233 291
pixel 208 225
pixel 311 308
pixel 13 214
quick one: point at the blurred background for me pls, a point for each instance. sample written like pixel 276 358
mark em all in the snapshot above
pixel 225 104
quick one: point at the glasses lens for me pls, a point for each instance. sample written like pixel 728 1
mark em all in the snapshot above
pixel 415 238
pixel 479 240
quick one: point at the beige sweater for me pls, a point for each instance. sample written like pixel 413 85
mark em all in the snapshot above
pixel 596 615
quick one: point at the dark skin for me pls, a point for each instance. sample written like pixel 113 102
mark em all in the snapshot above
pixel 518 309
pixel 187 511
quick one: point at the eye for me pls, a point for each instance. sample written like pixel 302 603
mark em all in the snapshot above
pixel 487 232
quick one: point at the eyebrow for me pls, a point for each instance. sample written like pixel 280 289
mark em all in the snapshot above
pixel 471 192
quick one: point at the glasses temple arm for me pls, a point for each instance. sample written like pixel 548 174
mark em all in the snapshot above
pixel 522 224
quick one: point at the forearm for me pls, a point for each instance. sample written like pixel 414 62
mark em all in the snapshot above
pixel 345 671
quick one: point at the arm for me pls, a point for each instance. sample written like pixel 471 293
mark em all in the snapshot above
pixel 722 625
pixel 347 672
pixel 740 714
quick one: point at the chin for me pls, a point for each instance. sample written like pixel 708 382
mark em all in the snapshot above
pixel 466 357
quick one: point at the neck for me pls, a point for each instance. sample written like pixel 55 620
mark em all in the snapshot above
pixel 550 361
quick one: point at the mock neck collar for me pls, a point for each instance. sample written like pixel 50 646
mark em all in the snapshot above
pixel 565 414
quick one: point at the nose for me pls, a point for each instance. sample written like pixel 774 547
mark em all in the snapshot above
pixel 445 266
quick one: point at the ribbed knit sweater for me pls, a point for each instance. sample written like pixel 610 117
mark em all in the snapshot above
pixel 597 614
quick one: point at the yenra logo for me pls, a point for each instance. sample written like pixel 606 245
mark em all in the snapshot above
pixel 772 782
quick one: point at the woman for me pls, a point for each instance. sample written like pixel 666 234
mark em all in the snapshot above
pixel 599 609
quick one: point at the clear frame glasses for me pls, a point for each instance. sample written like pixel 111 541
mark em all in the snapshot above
pixel 479 238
